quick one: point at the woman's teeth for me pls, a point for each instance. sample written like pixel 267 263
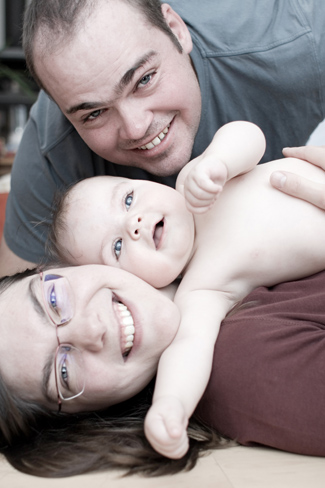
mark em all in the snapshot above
pixel 127 328
pixel 157 140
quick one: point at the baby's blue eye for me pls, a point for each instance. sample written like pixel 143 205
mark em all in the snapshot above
pixel 118 248
pixel 128 200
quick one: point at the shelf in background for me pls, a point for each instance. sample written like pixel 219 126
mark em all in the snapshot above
pixel 12 53
pixel 9 98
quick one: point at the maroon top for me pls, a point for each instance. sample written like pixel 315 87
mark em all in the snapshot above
pixel 268 381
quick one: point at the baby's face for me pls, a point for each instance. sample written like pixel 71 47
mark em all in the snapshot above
pixel 140 226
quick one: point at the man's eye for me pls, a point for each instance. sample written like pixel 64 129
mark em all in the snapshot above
pixel 117 248
pixel 128 200
pixel 145 80
pixel 94 115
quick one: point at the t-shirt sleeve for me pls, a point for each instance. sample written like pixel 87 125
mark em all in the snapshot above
pixel 48 160
pixel 29 202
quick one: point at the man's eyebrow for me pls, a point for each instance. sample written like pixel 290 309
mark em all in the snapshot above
pixel 119 87
pixel 41 313
pixel 128 76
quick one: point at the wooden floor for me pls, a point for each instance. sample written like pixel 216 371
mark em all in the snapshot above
pixel 235 467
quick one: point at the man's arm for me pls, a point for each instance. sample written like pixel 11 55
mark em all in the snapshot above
pixel 298 186
pixel 10 263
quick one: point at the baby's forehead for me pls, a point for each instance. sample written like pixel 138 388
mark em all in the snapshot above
pixel 94 184
pixel 100 181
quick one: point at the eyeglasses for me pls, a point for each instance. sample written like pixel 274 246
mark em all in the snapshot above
pixel 59 306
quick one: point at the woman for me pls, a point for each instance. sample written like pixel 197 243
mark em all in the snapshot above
pixel 121 325
pixel 266 386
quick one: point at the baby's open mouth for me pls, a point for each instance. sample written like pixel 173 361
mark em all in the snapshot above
pixel 158 232
pixel 127 327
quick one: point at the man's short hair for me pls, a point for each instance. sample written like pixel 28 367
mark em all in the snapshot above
pixel 59 20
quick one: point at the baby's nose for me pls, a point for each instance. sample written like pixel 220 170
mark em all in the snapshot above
pixel 134 226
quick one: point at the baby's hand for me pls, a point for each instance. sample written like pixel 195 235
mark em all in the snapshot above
pixel 165 427
pixel 204 183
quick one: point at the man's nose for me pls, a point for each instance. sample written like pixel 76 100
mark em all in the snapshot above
pixel 134 225
pixel 84 332
pixel 134 121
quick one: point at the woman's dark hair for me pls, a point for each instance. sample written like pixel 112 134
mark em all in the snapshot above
pixel 40 442
pixel 60 19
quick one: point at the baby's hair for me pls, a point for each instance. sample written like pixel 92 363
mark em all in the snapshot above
pixel 55 253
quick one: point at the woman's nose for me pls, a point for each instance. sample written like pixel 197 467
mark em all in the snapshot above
pixel 84 333
pixel 134 226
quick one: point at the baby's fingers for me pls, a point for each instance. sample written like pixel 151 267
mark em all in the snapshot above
pixel 199 185
pixel 201 205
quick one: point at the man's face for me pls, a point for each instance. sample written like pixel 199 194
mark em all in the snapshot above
pixel 131 95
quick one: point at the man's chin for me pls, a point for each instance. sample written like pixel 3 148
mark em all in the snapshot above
pixel 169 166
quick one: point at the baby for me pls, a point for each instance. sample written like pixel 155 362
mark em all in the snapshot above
pixel 252 236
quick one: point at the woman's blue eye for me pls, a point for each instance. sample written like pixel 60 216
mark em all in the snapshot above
pixel 128 200
pixel 118 248
pixel 53 301
pixel 63 368
pixel 64 373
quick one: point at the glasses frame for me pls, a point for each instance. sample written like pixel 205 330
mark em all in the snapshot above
pixel 60 397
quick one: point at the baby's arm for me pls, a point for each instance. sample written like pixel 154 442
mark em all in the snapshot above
pixel 184 370
pixel 235 149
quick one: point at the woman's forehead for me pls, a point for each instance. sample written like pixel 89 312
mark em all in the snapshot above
pixel 25 339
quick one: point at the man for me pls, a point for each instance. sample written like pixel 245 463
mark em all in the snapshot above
pixel 138 94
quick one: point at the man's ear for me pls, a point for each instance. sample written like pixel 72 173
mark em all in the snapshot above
pixel 178 27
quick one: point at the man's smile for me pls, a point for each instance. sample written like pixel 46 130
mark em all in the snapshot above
pixel 157 140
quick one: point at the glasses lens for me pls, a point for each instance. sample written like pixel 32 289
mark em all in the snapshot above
pixel 58 298
pixel 69 372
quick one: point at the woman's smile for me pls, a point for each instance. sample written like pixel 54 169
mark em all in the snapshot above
pixel 120 324
pixel 127 327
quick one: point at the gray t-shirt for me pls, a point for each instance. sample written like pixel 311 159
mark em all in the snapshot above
pixel 256 60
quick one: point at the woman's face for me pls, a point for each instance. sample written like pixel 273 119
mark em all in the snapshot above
pixel 97 328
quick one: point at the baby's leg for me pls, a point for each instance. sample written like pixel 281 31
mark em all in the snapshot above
pixel 268 380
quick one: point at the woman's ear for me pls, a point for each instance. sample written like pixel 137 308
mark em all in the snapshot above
pixel 178 27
